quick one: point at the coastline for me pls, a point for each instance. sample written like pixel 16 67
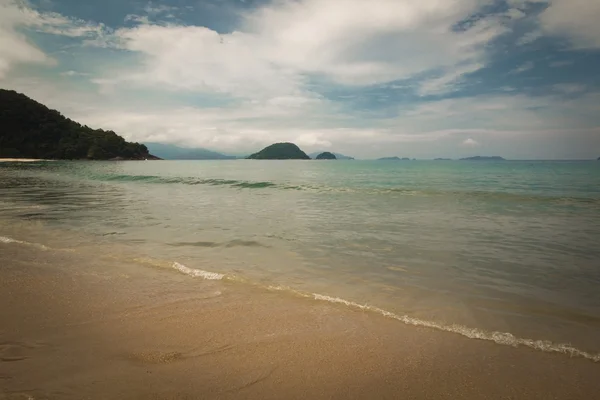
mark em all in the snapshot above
pixel 162 334
pixel 22 159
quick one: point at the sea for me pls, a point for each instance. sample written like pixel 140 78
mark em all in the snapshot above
pixel 503 251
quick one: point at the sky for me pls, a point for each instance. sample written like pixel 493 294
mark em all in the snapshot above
pixel 367 78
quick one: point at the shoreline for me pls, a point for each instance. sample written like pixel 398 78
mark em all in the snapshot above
pixel 71 320
pixel 22 159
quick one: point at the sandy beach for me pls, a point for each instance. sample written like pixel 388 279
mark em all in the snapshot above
pixel 21 159
pixel 85 326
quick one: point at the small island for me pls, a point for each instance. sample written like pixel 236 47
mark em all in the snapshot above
pixel 280 151
pixel 442 159
pixel 31 130
pixel 393 159
pixel 483 158
pixel 338 156
pixel 326 156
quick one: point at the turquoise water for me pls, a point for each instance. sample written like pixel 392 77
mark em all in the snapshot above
pixel 471 247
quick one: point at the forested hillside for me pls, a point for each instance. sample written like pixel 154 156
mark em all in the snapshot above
pixel 29 129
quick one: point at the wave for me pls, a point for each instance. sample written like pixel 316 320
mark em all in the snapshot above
pixel 211 276
pixel 505 196
pixel 190 181
pixel 501 338
pixel 7 240
pixel 228 244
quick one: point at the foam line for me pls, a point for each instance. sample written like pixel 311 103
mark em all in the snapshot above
pixel 211 276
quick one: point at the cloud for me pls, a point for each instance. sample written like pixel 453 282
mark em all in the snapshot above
pixel 152 12
pixel 74 73
pixel 470 143
pixel 514 125
pixel 348 75
pixel 568 88
pixel 283 44
pixel 16 48
pixel 515 13
pixel 523 68
pixel 359 43
pixel 558 64
pixel 576 20
pixel 448 82
pixel 529 37
pixel 506 112
pixel 199 59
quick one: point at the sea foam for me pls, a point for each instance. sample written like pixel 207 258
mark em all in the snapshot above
pixel 5 239
pixel 211 276
pixel 501 338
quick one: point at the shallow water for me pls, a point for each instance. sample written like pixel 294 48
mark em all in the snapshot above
pixel 469 247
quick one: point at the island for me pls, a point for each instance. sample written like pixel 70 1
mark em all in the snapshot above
pixel 483 158
pixel 280 151
pixel 338 156
pixel 326 156
pixel 31 130
pixel 393 159
pixel 442 159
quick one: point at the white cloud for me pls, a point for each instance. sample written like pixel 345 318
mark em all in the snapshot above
pixel 470 142
pixel 506 112
pixel 568 88
pixel 557 64
pixel 523 4
pixel 523 68
pixel 529 37
pixel 351 42
pixel 74 73
pixel 16 48
pixel 356 42
pixel 513 125
pixel 515 13
pixel 576 20
pixel 199 59
pixel 447 82
pixel 264 69
pixel 279 45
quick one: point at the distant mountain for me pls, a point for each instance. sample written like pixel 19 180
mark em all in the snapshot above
pixel 483 158
pixel 394 159
pixel 172 152
pixel 339 156
pixel 32 130
pixel 280 151
pixel 326 156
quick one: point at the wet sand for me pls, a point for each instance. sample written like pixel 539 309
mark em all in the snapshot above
pixel 21 159
pixel 78 326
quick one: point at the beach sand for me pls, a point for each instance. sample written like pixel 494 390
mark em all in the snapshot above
pixel 21 159
pixel 80 326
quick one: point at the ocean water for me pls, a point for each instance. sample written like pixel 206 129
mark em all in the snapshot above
pixel 501 251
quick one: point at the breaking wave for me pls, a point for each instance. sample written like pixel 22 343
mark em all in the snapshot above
pixel 505 196
pixel 211 276
pixel 5 239
pixel 501 338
